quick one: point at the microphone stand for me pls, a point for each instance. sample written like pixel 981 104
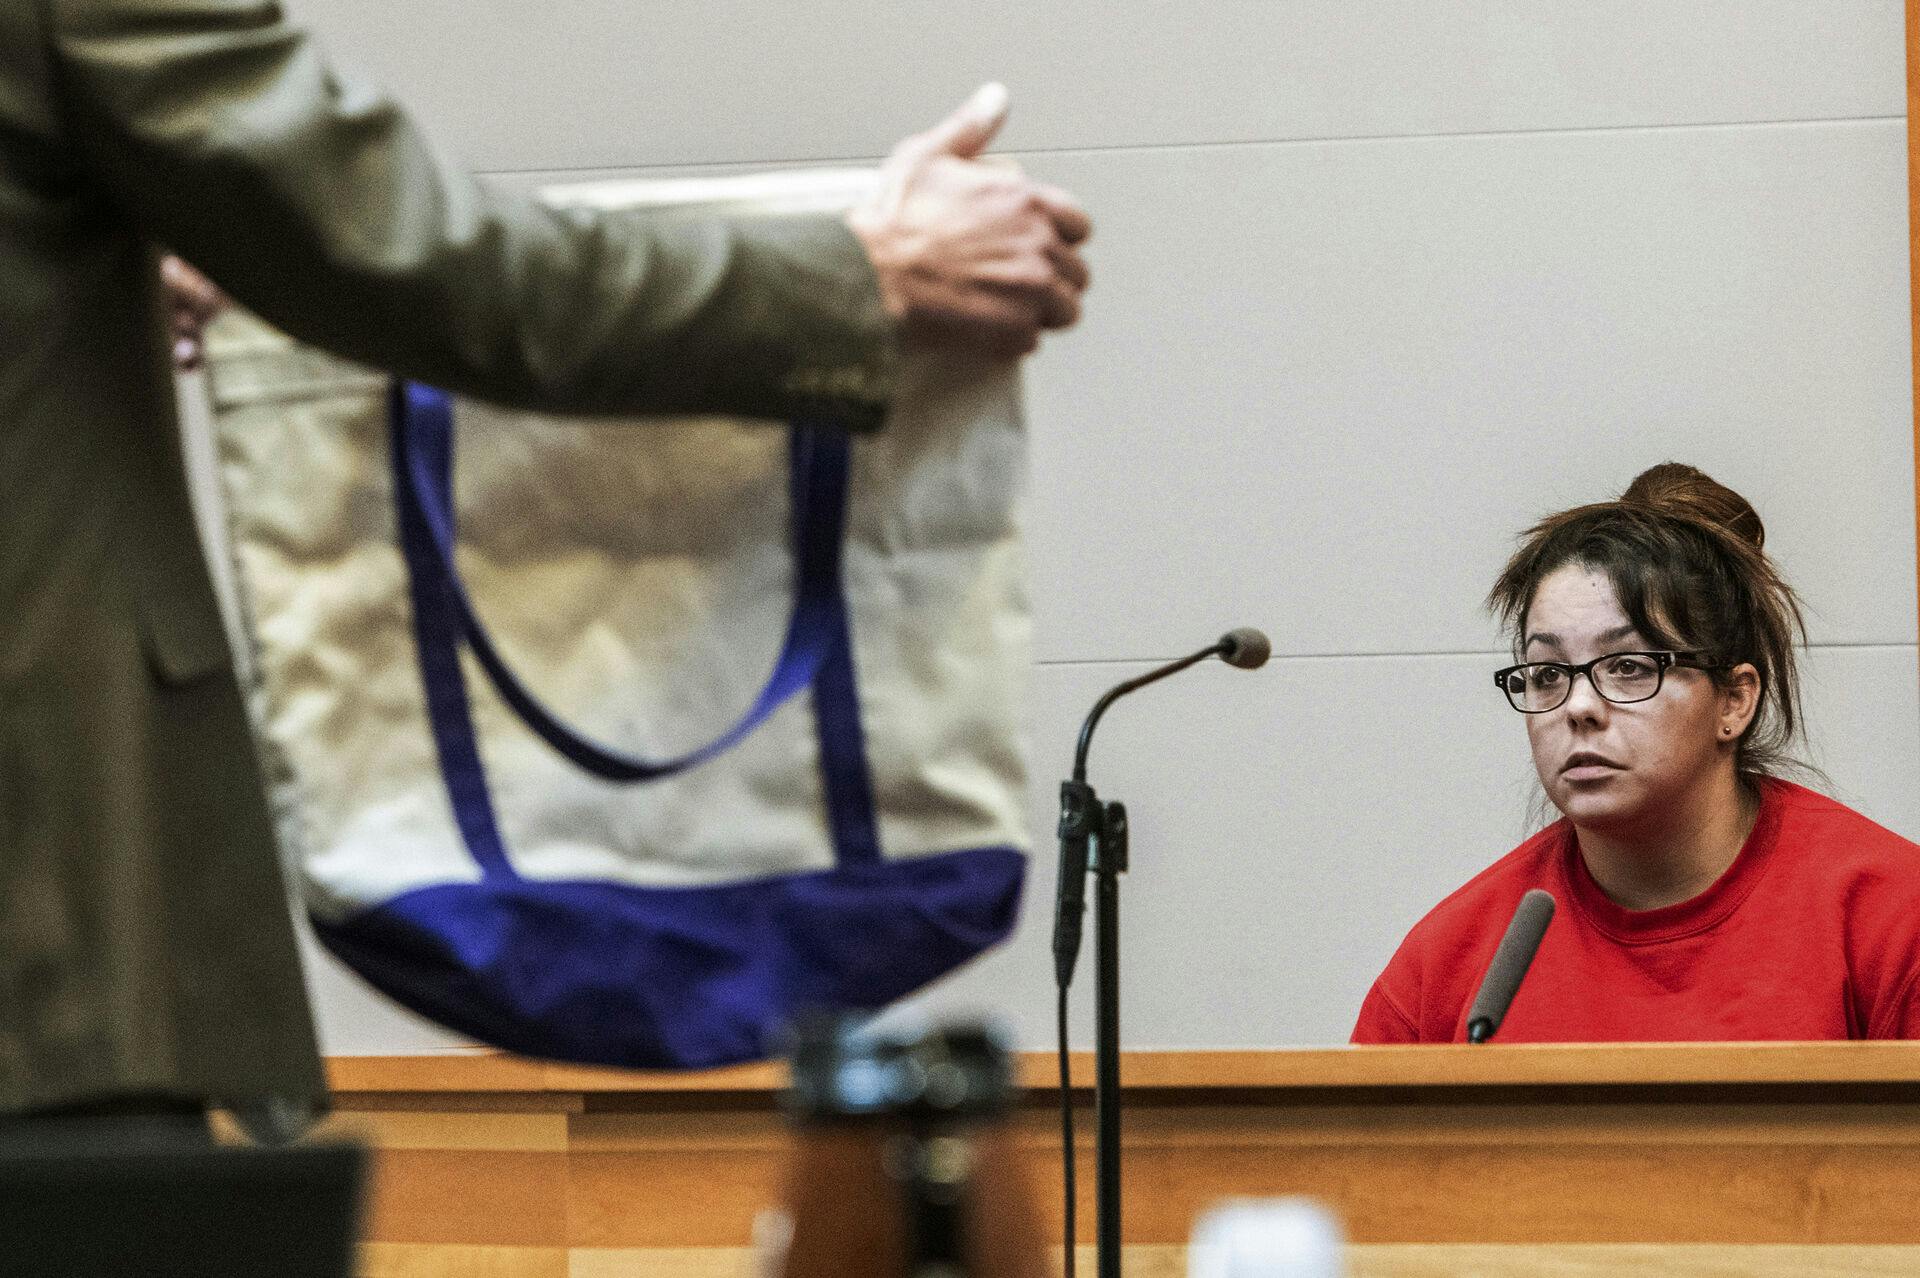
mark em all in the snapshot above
pixel 1093 836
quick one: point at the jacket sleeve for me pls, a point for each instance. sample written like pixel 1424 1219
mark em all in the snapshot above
pixel 219 129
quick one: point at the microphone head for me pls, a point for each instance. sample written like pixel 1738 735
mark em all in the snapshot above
pixel 1245 647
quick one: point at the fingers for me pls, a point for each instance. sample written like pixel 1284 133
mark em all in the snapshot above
pixel 967 132
pixel 1059 306
pixel 968 253
pixel 1070 266
pixel 1009 319
pixel 190 291
pixel 990 321
pixel 1053 304
pixel 1068 218
pixel 192 300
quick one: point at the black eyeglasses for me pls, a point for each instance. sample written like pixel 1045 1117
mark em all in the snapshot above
pixel 1623 678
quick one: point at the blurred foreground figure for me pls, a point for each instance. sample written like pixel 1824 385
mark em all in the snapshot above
pixel 904 1164
pixel 145 945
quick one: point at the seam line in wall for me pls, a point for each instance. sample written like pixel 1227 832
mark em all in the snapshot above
pixel 1488 653
pixel 717 166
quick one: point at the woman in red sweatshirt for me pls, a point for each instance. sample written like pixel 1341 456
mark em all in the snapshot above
pixel 1700 896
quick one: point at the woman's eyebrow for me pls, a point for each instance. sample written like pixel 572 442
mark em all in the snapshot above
pixel 1553 641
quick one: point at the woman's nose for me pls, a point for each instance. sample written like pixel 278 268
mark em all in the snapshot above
pixel 1583 697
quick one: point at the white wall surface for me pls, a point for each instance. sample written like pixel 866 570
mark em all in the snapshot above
pixel 1378 282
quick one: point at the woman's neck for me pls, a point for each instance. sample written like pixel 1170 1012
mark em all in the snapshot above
pixel 1679 857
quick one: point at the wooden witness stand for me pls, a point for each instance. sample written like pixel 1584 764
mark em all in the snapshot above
pixel 1796 1159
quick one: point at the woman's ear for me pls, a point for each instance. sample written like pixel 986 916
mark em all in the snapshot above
pixel 1739 700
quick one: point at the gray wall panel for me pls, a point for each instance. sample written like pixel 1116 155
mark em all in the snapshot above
pixel 1321 386
pixel 1326 394
pixel 560 83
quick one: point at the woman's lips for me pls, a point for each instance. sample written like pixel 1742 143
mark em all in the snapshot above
pixel 1589 767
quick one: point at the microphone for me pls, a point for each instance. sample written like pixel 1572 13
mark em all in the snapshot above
pixel 1245 648
pixel 1081 813
pixel 1509 966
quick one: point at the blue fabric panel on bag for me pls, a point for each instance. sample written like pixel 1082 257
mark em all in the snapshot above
pixel 818 469
pixel 610 974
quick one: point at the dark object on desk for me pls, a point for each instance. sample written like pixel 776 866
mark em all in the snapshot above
pixel 94 1199
pixel 904 1164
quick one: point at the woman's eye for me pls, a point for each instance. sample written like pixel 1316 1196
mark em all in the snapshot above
pixel 1630 668
pixel 1544 677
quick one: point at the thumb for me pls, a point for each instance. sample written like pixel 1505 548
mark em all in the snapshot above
pixel 968 130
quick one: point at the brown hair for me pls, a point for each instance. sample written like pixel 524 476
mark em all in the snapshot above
pixel 1686 559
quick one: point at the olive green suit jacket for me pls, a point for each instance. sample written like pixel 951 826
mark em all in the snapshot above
pixel 145 945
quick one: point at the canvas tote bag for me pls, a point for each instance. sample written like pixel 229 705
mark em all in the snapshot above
pixel 626 742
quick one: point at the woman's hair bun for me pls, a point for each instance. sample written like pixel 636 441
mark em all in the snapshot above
pixel 1674 488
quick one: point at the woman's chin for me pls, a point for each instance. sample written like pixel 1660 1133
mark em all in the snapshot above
pixel 1596 807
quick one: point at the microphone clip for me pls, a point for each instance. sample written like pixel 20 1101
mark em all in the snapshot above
pixel 1093 838
pixel 1110 847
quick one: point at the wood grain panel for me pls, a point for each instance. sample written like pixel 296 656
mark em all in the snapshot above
pixel 455 1130
pixel 1620 1262
pixel 1363 1261
pixel 1389 1193
pixel 1506 1126
pixel 502 1198
pixel 670 1198
pixel 1774 1145
pixel 1525 1064
pixel 449 1260
pixel 665 1262
pixel 481 1070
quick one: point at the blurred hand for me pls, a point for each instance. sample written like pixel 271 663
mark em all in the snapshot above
pixel 971 253
pixel 192 302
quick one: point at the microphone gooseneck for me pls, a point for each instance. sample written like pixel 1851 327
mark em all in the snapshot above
pixel 1244 648
pixel 1080 810
pixel 1510 963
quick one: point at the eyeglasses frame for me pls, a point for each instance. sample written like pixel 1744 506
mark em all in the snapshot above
pixel 1663 661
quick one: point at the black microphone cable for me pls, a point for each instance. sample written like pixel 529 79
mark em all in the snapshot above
pixel 1066 1130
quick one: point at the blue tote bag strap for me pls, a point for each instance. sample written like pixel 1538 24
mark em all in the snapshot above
pixel 816 636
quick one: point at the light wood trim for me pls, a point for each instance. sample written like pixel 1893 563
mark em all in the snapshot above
pixel 1521 1065
pixel 474 1071
pixel 1383 1261
pixel 1621 1261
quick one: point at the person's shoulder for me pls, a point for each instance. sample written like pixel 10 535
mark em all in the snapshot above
pixel 1427 980
pixel 1871 876
pixel 1505 881
pixel 1491 894
pixel 1845 837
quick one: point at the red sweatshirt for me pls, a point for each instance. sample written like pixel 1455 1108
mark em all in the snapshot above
pixel 1812 933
